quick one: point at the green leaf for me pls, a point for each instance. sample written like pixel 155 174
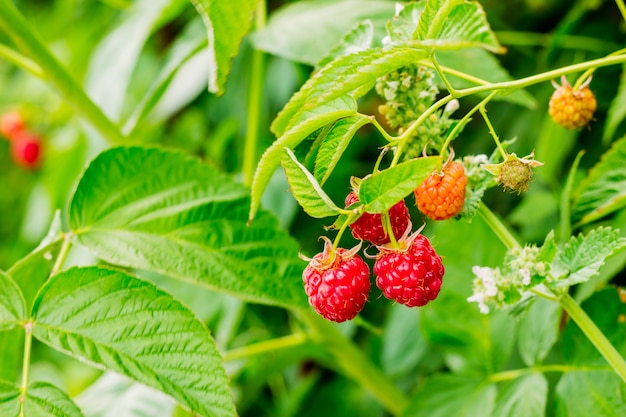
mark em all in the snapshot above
pixel 12 304
pixel 403 342
pixel 358 39
pixel 306 190
pixel 119 322
pixel 452 395
pixel 9 399
pixel 454 24
pixel 46 400
pixel 379 192
pixel 582 257
pixel 603 191
pixel 524 397
pixel 617 111
pixel 542 322
pixel 226 22
pixel 162 211
pixel 290 29
pixel 590 393
pixel 335 143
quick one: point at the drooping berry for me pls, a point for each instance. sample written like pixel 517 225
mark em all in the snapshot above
pixel 411 274
pixel 571 108
pixel 370 226
pixel 441 196
pixel 337 283
pixel 11 124
pixel 26 150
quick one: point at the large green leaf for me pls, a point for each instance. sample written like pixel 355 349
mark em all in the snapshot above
pixel 158 210
pixel 524 397
pixel 379 192
pixel 119 322
pixel 335 143
pixel 226 22
pixel 582 257
pixel 290 29
pixel 542 322
pixel 604 189
pixel 306 190
pixel 452 395
pixel 590 393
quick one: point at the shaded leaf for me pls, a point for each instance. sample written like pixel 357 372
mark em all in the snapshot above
pixel 403 342
pixel 335 143
pixel 306 190
pixel 526 396
pixel 163 211
pixel 358 39
pixel 590 393
pixel 617 111
pixel 604 190
pixel 538 331
pixel 226 23
pixel 446 395
pixel 119 322
pixel 582 257
pixel 379 192
pixel 12 304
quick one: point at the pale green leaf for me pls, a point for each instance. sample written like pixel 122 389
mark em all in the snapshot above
pixel 12 304
pixel 379 192
pixel 542 322
pixel 590 393
pixel 582 257
pixel 306 190
pixel 9 399
pixel 119 322
pixel 604 190
pixel 524 397
pixel 401 28
pixel 433 17
pixel 358 39
pixel 446 395
pixel 163 211
pixel 335 143
pixel 46 400
pixel 290 29
pixel 226 22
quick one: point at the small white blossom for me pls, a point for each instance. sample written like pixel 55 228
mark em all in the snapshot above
pixel 525 273
pixel 399 8
pixel 452 106
pixel 479 298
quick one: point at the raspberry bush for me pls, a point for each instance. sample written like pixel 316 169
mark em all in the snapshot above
pixel 308 208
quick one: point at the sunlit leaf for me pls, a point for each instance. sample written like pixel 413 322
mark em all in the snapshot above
pixel 116 321
pixel 46 400
pixel 358 39
pixel 542 322
pixel 9 399
pixel 379 192
pixel 226 23
pixel 163 211
pixel 12 304
pixel 306 190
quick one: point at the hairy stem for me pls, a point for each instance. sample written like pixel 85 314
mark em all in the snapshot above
pixel 20 31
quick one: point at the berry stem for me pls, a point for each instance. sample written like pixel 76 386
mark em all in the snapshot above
pixel 389 229
pixel 355 364
pixel 594 334
pixel 255 97
pixel 266 346
pixel 483 112
pixel 351 218
pixel 443 77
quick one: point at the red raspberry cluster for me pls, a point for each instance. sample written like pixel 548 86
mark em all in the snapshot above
pixel 25 145
pixel 407 268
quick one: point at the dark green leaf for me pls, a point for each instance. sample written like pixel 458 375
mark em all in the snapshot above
pixel 452 395
pixel 358 39
pixel 604 190
pixel 524 397
pixel 538 330
pixel 379 192
pixel 335 143
pixel 290 29
pixel 582 257
pixel 163 211
pixel 12 304
pixel 306 190
pixel 119 322
pixel 591 393
pixel 226 22
pixel 617 111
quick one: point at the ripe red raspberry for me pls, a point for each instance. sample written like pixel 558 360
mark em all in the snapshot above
pixel 411 274
pixel 11 124
pixel 337 283
pixel 572 109
pixel 370 226
pixel 26 150
pixel 442 195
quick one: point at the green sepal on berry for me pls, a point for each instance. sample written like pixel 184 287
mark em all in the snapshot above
pixel 514 173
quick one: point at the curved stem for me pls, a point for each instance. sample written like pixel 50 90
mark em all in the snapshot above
pixel 492 131
pixel 343 228
pixel 382 131
pixel 255 97
pixel 443 77
pixel 267 346
pixel 21 61
pixel 63 252
pixel 355 364
pixel 498 227
pixel 594 334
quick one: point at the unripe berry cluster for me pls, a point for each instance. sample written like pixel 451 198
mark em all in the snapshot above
pixel 25 145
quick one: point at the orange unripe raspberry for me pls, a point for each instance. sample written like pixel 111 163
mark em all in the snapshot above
pixel 571 108
pixel 442 195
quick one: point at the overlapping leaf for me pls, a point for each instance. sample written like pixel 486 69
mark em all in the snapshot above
pixel 12 304
pixel 41 399
pixel 525 397
pixel 118 322
pixel 162 211
pixel 226 23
